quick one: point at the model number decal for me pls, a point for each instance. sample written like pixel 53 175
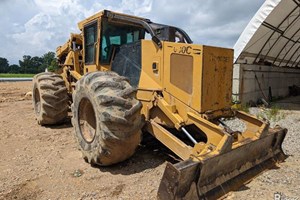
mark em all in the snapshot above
pixel 183 50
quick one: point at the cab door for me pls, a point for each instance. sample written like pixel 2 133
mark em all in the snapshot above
pixel 91 51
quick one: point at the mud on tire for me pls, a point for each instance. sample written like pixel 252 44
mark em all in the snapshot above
pixel 50 98
pixel 106 118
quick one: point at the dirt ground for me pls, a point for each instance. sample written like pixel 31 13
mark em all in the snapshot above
pixel 38 162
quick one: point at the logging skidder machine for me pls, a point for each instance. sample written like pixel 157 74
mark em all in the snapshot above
pixel 126 74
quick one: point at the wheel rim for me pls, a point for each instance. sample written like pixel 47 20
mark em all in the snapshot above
pixel 37 101
pixel 87 120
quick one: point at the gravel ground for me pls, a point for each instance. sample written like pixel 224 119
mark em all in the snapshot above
pixel 285 180
pixel 43 162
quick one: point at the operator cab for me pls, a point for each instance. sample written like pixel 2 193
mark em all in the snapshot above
pixel 113 41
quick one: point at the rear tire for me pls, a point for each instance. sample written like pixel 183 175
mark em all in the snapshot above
pixel 106 118
pixel 50 98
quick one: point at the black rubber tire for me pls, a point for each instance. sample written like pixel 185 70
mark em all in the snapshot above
pixel 50 98
pixel 106 118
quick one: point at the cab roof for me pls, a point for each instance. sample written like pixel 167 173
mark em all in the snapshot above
pixel 108 14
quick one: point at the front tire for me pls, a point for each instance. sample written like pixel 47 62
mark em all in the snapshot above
pixel 106 118
pixel 50 98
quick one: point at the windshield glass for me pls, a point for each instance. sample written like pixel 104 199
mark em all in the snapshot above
pixel 114 35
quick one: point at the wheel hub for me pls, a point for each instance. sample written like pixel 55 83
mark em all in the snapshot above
pixel 37 101
pixel 87 120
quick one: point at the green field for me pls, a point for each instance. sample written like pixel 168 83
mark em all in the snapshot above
pixel 16 75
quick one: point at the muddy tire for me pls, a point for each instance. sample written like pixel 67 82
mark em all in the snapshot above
pixel 50 98
pixel 106 118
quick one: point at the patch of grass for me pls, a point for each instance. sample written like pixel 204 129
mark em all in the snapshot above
pixel 245 108
pixel 16 75
pixel 260 115
pixel 274 113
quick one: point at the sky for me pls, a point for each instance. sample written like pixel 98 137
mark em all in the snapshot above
pixel 34 27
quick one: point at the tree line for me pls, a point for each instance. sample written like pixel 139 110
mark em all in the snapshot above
pixel 30 65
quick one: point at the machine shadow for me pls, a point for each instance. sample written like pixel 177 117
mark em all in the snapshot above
pixel 64 124
pixel 260 171
pixel 149 155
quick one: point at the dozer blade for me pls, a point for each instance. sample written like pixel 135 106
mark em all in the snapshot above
pixel 213 176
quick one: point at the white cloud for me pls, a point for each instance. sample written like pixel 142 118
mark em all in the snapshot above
pixel 33 27
pixel 136 7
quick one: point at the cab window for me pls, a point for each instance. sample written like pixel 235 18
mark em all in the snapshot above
pixel 90 38
pixel 115 35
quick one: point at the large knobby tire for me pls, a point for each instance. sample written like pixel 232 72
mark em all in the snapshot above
pixel 50 98
pixel 106 118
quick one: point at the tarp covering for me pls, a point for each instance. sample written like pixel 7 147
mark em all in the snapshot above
pixel 272 37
